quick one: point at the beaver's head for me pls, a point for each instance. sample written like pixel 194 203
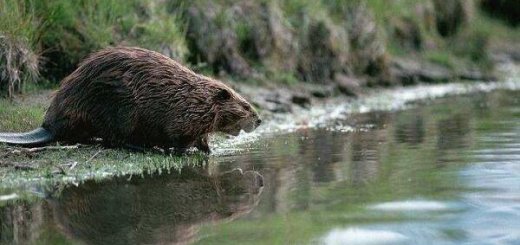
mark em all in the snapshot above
pixel 233 113
pixel 239 191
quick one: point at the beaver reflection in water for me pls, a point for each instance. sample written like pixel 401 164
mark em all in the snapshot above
pixel 165 209
pixel 136 97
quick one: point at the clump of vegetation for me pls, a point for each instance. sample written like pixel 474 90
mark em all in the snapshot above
pixel 286 39
pixel 442 58
pixel 59 33
pixel 74 29
pixel 508 10
pixel 19 59
pixel 438 31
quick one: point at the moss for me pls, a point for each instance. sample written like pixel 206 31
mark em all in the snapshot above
pixel 283 78
pixel 443 58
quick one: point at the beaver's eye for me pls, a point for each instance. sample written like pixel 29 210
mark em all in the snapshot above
pixel 223 94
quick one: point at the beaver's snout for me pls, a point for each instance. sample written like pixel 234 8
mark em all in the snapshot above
pixel 257 123
pixel 251 124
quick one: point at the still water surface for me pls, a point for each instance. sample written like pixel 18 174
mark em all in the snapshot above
pixel 441 172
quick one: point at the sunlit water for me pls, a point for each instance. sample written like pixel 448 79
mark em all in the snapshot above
pixel 444 171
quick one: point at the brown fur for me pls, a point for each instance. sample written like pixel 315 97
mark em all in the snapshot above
pixel 135 96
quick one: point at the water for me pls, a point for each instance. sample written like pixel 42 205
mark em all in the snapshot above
pixel 445 171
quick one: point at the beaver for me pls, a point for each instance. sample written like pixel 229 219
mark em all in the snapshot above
pixel 169 208
pixel 166 208
pixel 129 96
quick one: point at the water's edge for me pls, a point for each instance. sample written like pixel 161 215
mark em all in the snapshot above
pixel 327 115
pixel 394 99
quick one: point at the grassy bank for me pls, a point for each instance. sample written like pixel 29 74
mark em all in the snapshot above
pixel 282 42
pixel 19 167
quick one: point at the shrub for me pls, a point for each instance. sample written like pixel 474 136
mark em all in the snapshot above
pixel 73 29
pixel 18 49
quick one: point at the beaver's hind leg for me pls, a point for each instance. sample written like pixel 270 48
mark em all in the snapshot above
pixel 202 144
pixel 181 144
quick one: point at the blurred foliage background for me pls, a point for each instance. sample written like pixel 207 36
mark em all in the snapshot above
pixel 274 41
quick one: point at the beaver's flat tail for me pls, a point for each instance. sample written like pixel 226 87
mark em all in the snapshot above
pixel 39 136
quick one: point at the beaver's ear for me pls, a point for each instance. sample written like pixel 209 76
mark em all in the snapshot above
pixel 222 95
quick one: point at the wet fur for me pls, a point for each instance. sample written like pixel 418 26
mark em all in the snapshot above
pixel 139 97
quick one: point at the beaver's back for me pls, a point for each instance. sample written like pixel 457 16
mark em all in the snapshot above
pixel 119 94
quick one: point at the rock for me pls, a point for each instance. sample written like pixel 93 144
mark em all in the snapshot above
pixel 475 74
pixel 274 101
pixel 405 71
pixel 515 56
pixel 322 91
pixel 505 52
pixel 301 99
pixel 348 86
pixel 433 73
pixel 279 107
pixel 410 71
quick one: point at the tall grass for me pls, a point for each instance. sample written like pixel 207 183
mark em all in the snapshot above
pixel 18 46
pixel 73 29
pixel 63 32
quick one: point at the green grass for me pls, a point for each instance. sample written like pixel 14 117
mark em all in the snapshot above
pixel 495 28
pixel 77 28
pixel 17 19
pixel 18 117
pixel 284 78
pixel 64 32
pixel 77 165
pixel 443 58
pixel 384 10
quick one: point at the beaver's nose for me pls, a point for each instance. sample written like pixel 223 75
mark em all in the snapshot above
pixel 258 121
